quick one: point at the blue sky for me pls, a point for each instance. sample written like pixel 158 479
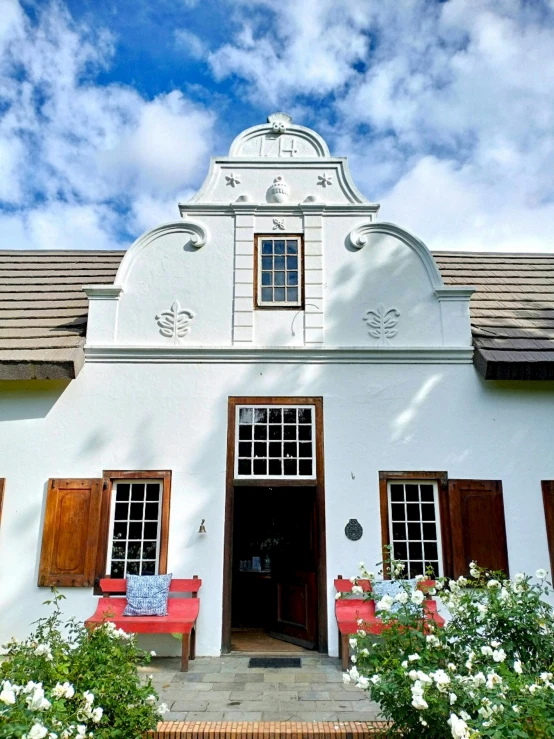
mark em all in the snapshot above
pixel 110 110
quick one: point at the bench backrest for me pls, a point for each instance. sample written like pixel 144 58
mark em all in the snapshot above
pixel 342 585
pixel 118 586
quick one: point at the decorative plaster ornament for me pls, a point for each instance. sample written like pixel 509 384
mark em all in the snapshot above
pixel 232 179
pixel 279 191
pixel 279 224
pixel 175 323
pixel 324 179
pixel 279 122
pixel 381 323
pixel 310 199
pixel 244 198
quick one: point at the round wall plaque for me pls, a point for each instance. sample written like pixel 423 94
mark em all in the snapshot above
pixel 353 530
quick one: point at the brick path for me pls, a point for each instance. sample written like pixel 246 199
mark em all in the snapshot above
pixel 225 689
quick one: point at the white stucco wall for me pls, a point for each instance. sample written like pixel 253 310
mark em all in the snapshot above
pixel 376 417
pixel 410 400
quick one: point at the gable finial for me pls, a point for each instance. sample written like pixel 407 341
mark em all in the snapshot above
pixel 279 122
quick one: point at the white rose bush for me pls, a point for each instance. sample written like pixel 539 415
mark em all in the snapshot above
pixel 65 682
pixel 489 672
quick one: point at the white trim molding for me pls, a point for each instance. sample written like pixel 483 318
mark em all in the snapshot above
pixel 273 355
pixel 102 292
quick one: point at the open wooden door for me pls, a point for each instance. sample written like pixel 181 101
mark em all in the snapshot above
pixel 295 573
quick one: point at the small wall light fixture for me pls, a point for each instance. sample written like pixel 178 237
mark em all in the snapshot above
pixel 202 529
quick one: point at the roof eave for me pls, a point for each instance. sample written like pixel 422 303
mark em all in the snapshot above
pixel 491 369
pixel 36 369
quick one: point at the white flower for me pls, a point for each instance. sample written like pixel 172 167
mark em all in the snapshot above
pixel 412 674
pixel 499 655
pixel 7 696
pixel 353 658
pixel 405 664
pixel 361 565
pixel 162 708
pixel 451 666
pixel 375 679
pixel 419 578
pixel 357 590
pixel 423 677
pixel 361 633
pixel 152 653
pixel 63 690
pixel 493 584
pixel 364 652
pixel 482 608
pixel 519 577
pixel 432 640
pixel 353 580
pixel 438 585
pixel 452 697
pixel 504 595
pixel 486 651
pixel 363 682
pixel 516 709
pixel 353 643
pixel 533 687
pixel 462 581
pixel 517 667
pixel 354 674
pixel 417 597
pixel 36 701
pixel 479 679
pixel 43 650
pixel 385 603
pixel 493 679
pixel 97 714
pixel 401 597
pixel 458 727
pixel 345 679
pixel 419 702
pixel 89 697
pixel 495 643
pixel 413 657
pixel 338 596
pixel 38 731
pixel 152 700
pixel 81 730
pixel 540 574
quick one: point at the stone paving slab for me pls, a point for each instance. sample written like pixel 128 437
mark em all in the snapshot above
pixel 225 689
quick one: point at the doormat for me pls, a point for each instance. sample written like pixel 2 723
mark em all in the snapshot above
pixel 275 662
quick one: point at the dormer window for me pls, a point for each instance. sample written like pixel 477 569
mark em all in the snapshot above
pixel 279 271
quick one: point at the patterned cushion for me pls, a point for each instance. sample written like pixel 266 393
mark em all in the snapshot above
pixel 392 588
pixel 147 595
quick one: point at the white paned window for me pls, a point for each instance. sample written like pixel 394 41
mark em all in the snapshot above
pixel 134 542
pixel 279 271
pixel 414 526
pixel 275 441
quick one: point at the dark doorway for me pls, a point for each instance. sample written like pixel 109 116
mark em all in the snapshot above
pixel 274 566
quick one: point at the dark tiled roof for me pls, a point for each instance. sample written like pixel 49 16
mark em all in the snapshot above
pixel 43 310
pixel 512 312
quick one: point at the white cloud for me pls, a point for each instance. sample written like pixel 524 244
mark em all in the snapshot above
pixel 445 108
pixel 75 156
pixel 190 43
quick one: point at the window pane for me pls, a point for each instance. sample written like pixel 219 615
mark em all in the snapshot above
pixel 292 263
pixel 136 511
pixel 123 489
pixel 246 415
pixel 245 432
pixel 119 530
pixel 151 512
pixel 153 492
pixel 279 278
pixel 275 450
pixel 117 569
pixel 292 279
pixel 292 246
pixel 151 530
pixel 279 295
pixel 121 511
pixel 133 568
pixel 292 295
pixel 413 530
pixel 267 263
pixel 267 247
pixel 118 550
pixel 133 550
pixel 279 263
pixel 135 530
pixel 266 278
pixel 148 568
pixel 267 294
pixel 279 247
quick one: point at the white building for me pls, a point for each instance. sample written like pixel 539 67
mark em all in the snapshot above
pixel 278 364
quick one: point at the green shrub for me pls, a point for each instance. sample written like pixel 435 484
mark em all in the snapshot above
pixel 487 673
pixel 65 681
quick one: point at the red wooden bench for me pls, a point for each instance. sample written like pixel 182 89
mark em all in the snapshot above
pixel 349 611
pixel 181 614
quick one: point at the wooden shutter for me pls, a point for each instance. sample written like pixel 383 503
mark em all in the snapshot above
pixel 548 501
pixel 478 529
pixel 71 533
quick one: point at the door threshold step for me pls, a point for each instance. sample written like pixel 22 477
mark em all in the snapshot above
pixel 273 730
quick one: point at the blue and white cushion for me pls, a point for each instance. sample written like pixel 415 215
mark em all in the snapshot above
pixel 147 595
pixel 392 588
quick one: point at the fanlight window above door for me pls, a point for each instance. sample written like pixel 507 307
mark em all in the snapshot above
pixel 275 442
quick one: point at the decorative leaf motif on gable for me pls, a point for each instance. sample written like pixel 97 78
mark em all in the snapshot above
pixel 382 323
pixel 175 322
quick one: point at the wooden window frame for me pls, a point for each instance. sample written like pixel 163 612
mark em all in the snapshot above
pixel 257 287
pixel 109 476
pixel 441 480
pixel 548 506
pixel 318 483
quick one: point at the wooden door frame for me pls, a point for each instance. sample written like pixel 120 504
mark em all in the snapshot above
pixel 318 484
